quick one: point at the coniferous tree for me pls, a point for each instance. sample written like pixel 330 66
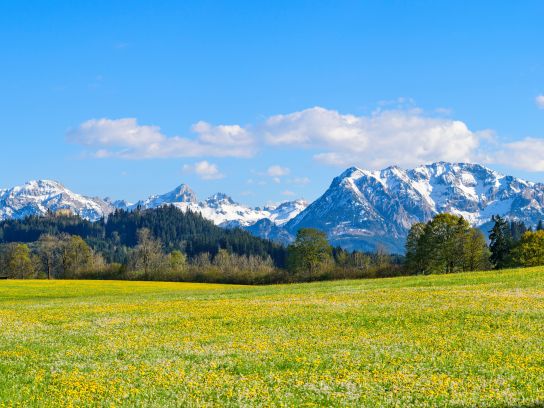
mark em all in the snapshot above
pixel 517 229
pixel 500 243
pixel 191 248
pixel 187 232
pixel 415 249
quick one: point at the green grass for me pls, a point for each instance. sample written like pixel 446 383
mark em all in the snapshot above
pixel 474 339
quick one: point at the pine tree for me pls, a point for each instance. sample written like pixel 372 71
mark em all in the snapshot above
pixel 517 229
pixel 500 243
pixel 415 250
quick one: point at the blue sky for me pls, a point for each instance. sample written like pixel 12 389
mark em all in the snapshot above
pixel 266 101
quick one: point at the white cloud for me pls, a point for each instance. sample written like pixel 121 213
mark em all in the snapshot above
pixel 277 171
pixel 402 137
pixel 125 138
pixel 540 101
pixel 121 132
pixel 288 193
pixel 227 135
pixel 205 170
pixel 526 154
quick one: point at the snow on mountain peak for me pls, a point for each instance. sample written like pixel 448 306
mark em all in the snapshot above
pixel 181 194
pixel 223 210
pixel 352 172
pixel 38 197
pixel 219 198
pixel 362 207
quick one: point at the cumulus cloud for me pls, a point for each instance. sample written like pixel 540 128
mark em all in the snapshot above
pixel 125 138
pixel 120 132
pixel 526 154
pixel 403 137
pixel 205 170
pixel 540 101
pixel 227 135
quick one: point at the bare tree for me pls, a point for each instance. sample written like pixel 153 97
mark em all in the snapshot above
pixel 49 253
pixel 148 255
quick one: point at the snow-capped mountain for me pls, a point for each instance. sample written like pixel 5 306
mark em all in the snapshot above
pixel 39 197
pixel 119 204
pixel 267 229
pixel 43 196
pixel 181 194
pixel 362 209
pixel 222 209
pixel 286 211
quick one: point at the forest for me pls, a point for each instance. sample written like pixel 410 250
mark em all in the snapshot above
pixel 168 244
pixel 171 245
pixel 448 244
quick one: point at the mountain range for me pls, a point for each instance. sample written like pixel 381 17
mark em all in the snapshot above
pixel 361 209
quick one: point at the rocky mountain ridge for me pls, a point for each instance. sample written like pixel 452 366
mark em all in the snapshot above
pixel 361 209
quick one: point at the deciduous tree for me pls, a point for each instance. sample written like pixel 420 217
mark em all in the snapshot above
pixel 148 255
pixel 310 253
pixel 20 263
pixel 530 250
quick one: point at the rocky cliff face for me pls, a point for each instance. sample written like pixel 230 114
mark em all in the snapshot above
pixel 362 209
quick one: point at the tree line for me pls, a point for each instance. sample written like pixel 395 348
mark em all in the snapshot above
pixel 169 244
pixel 113 237
pixel 448 243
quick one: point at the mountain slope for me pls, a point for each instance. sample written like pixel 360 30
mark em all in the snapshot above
pixel 43 196
pixel 362 209
pixel 39 197
pixel 223 210
pixel 181 194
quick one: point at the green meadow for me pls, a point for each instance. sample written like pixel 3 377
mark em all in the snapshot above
pixel 471 339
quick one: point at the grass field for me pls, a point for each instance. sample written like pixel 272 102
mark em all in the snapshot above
pixel 449 340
